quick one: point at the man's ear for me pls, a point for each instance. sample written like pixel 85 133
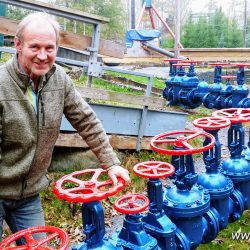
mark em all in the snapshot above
pixel 18 44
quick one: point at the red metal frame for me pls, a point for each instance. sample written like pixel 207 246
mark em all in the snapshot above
pixel 165 25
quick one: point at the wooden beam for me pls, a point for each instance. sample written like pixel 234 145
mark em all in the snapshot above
pixel 117 141
pixel 106 95
pixel 70 40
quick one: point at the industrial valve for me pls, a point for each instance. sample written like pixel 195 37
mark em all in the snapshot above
pixel 186 203
pixel 237 167
pixel 169 89
pixel 156 222
pixel 132 235
pixel 89 187
pixel 186 90
pixel 240 93
pixel 47 235
pixel 219 186
pixel 179 88
pixel 211 99
pixel 225 99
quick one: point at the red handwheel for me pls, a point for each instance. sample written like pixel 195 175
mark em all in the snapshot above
pixel 211 123
pixel 55 238
pixel 153 169
pixel 131 203
pixel 235 115
pixel 73 189
pixel 183 142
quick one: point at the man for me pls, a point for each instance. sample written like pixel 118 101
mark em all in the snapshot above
pixel 34 94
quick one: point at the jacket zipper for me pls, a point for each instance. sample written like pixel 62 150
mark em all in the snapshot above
pixel 42 110
pixel 24 184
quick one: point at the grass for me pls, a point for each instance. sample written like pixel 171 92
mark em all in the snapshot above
pixel 157 82
pixel 99 83
pixel 199 113
pixel 224 239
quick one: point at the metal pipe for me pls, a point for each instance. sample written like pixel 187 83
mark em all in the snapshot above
pixel 162 51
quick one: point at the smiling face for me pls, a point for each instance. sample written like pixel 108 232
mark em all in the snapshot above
pixel 37 49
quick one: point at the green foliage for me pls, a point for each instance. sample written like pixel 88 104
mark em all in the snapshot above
pixel 224 238
pixel 167 43
pixel 99 83
pixel 235 37
pixel 157 82
pixel 112 9
pixel 16 13
pixel 199 113
pixel 212 31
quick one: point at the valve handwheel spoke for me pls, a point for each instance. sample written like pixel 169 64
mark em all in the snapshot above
pixel 95 188
pixel 153 169
pixel 235 115
pixel 183 142
pixel 52 233
pixel 131 203
pixel 211 123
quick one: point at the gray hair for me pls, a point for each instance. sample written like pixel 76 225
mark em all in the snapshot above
pixel 37 17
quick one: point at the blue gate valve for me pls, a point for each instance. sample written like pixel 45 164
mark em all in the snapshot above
pixel 237 167
pixel 225 100
pixel 188 87
pixel 73 188
pixel 186 203
pixel 240 92
pixel 219 186
pixel 168 91
pixel 180 73
pixel 156 222
pixel 132 235
pixel 211 99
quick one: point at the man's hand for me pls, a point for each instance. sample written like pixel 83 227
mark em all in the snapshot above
pixel 118 171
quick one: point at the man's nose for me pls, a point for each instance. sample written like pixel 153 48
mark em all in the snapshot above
pixel 42 55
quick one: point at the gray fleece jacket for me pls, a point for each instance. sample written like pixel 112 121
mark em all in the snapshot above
pixel 27 139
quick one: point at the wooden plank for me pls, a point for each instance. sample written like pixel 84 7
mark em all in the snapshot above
pixel 117 141
pixel 70 40
pixel 106 95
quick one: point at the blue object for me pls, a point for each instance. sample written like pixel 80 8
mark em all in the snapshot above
pixel 156 222
pixel 2 13
pixel 94 229
pixel 133 236
pixel 186 202
pixel 186 208
pixel 219 186
pixel 212 98
pixel 140 35
pixel 169 89
pixel 185 90
pixel 148 3
pixel 240 93
pixel 237 168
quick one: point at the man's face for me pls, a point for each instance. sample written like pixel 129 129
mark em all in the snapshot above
pixel 37 50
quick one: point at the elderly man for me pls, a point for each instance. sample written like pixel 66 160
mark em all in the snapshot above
pixel 34 94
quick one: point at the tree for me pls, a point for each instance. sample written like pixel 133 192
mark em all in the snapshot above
pixel 234 35
pixel 16 13
pixel 111 9
pixel 211 31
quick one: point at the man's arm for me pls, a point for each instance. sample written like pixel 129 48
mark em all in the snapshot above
pixel 84 120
